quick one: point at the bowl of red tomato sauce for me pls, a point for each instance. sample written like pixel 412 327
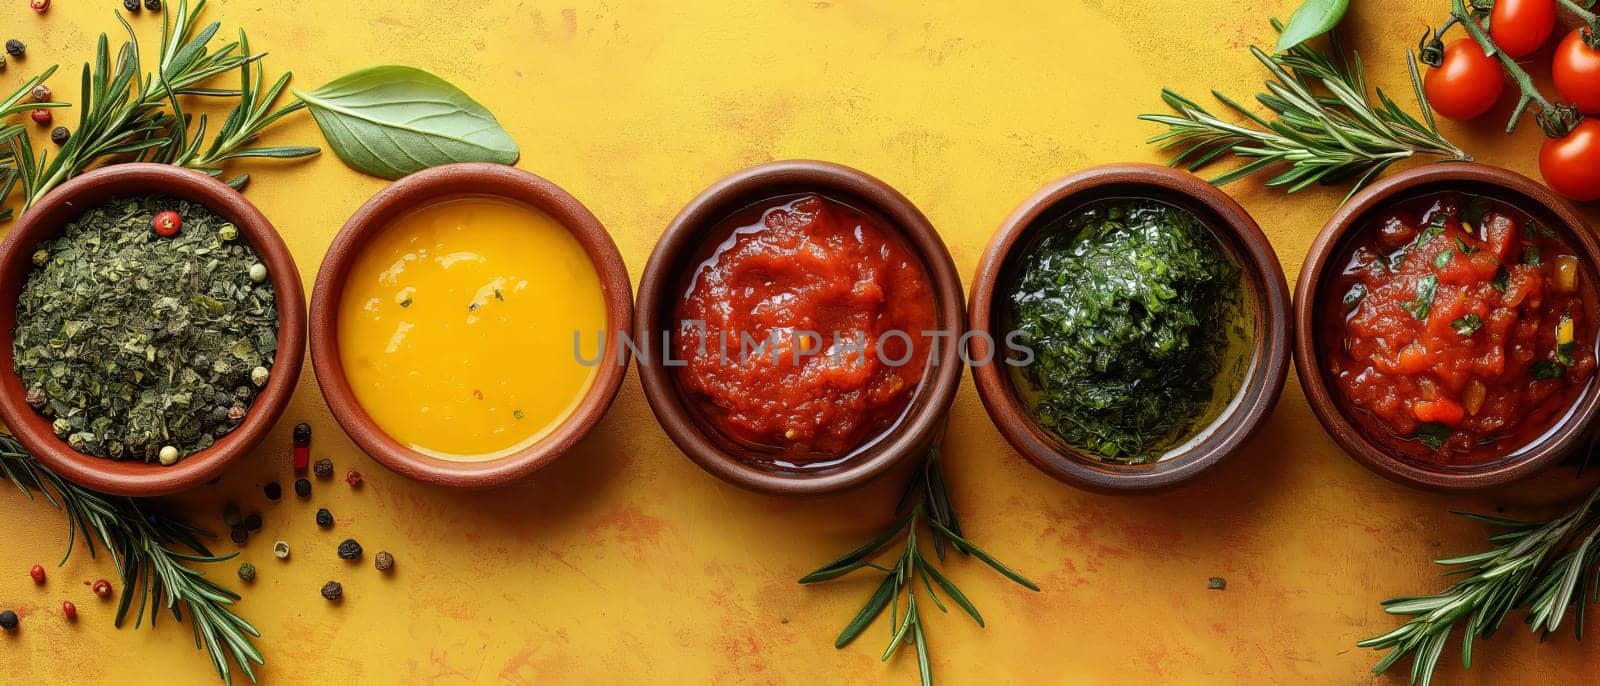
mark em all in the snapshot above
pixel 799 329
pixel 1447 326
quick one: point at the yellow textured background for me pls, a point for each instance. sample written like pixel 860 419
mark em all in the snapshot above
pixel 626 562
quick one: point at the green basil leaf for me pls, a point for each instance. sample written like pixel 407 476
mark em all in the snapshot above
pixel 1442 260
pixel 1530 255
pixel 1314 18
pixel 1467 324
pixel 1433 434
pixel 392 120
pixel 1545 369
pixel 1427 287
pixel 1464 248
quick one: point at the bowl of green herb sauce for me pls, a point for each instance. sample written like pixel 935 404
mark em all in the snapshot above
pixel 154 329
pixel 1139 322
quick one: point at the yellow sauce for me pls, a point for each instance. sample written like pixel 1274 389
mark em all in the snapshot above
pixel 456 327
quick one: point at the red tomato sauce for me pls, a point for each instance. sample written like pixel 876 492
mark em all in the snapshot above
pixel 1460 330
pixel 813 278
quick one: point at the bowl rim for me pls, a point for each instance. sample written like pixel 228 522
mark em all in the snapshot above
pixel 1541 454
pixel 1258 392
pixel 424 188
pixel 914 434
pixel 45 220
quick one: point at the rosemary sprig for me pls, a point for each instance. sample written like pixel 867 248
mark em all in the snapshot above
pixel 926 500
pixel 128 115
pixel 1326 128
pixel 151 552
pixel 1542 568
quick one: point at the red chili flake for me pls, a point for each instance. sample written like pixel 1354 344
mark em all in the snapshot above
pixel 102 588
pixel 167 224
pixel 37 573
pixel 39 5
pixel 353 478
pixel 70 610
pixel 302 458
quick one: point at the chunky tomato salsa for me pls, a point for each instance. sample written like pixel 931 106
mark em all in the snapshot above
pixel 1460 330
pixel 801 330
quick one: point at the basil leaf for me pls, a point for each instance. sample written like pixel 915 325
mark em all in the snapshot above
pixel 1464 248
pixel 1545 369
pixel 1433 434
pixel 1427 286
pixel 1467 324
pixel 1530 255
pixel 1477 209
pixel 392 120
pixel 1314 18
pixel 1442 260
pixel 1502 279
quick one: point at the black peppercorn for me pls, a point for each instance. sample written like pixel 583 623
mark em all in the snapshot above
pixel 152 5
pixel 15 48
pixel 383 561
pixel 273 491
pixel 323 468
pixel 131 5
pixel 302 434
pixel 349 550
pixel 8 620
pixel 325 518
pixel 59 135
pixel 302 488
pixel 239 534
pixel 333 591
pixel 252 522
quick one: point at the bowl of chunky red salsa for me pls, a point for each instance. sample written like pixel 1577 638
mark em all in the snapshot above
pixel 803 318
pixel 1452 327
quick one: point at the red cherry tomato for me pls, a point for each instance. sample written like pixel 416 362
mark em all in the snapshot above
pixel 1520 27
pixel 1576 69
pixel 1571 164
pixel 1466 84
pixel 167 224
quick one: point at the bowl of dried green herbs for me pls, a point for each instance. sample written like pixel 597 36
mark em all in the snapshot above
pixel 152 329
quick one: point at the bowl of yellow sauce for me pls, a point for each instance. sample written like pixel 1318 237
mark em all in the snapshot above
pixel 463 324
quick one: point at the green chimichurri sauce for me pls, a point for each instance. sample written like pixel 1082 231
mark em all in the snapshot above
pixel 1130 308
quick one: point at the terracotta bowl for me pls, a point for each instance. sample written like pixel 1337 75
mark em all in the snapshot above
pixel 416 191
pixel 1269 306
pixel 660 290
pixel 44 221
pixel 1319 270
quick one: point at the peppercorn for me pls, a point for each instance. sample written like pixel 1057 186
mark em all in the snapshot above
pixel 236 413
pixel 273 491
pixel 258 272
pixel 230 514
pixel 41 116
pixel 280 550
pixel 302 434
pixel 152 5
pixel 2 63
pixel 333 591
pixel 39 5
pixel 101 588
pixel 69 610
pixel 168 455
pixel 325 518
pixel 259 376
pixel 8 619
pixel 323 468
pixel 302 488
pixel 15 48
pixel 247 572
pixel 37 573
pixel 239 535
pixel 383 561
pixel 350 550
pixel 252 522
pixel 131 5
pixel 166 224
pixel 41 93
pixel 60 135
pixel 353 478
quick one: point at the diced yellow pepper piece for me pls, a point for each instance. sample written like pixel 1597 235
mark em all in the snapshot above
pixel 1566 273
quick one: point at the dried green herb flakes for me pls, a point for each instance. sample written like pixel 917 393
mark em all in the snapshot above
pixel 132 342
